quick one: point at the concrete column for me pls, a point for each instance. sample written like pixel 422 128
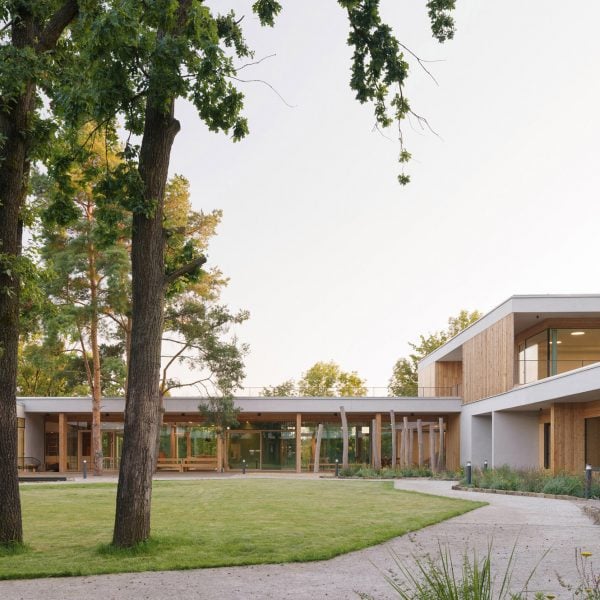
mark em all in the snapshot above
pixel 62 442
pixel 515 439
pixel 298 442
pixel 481 441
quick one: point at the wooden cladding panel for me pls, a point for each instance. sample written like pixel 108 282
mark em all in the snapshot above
pixel 453 442
pixel 443 378
pixel 488 361
pixel 448 374
pixel 567 432
pixel 427 376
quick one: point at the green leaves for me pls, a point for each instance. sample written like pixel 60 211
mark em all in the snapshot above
pixel 267 10
pixel 405 372
pixel 324 379
pixel 440 14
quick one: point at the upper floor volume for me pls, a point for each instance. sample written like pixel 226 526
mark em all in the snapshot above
pixel 523 340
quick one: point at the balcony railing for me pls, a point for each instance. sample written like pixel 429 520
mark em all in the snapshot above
pixel 371 392
pixel 527 371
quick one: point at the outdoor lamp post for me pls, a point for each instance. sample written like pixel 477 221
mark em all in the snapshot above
pixel 588 481
pixel 468 473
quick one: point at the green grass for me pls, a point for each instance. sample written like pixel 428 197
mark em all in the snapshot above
pixel 209 523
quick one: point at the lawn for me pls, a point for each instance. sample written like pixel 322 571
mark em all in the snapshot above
pixel 210 523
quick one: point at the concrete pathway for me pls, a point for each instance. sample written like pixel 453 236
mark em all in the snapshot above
pixel 536 524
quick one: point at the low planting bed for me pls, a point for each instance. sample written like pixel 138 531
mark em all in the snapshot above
pixel 367 472
pixel 210 523
pixel 531 481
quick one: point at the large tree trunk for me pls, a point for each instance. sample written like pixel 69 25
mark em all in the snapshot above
pixel 14 170
pixel 15 127
pixel 142 411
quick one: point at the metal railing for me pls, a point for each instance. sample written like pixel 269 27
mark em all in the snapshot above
pixel 529 370
pixel 371 392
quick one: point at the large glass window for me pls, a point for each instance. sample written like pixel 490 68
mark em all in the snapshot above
pixel 555 351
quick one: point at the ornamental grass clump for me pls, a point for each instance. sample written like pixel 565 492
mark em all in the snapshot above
pixel 441 579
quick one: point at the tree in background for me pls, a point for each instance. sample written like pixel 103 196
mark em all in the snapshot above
pixel 219 412
pixel 323 379
pixel 84 251
pixel 283 390
pixel 404 380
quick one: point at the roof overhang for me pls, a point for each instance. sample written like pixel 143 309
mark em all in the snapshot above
pixel 527 310
pixel 189 405
pixel 581 385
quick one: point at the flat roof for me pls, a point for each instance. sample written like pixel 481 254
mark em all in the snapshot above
pixel 527 309
pixel 292 405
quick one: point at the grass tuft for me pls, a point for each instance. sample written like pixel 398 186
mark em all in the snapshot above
pixel 13 549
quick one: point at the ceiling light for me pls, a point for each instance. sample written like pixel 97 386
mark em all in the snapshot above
pixel 577 332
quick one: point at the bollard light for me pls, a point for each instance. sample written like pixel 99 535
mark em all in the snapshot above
pixel 337 467
pixel 243 467
pixel 588 481
pixel 485 465
pixel 85 469
pixel 468 473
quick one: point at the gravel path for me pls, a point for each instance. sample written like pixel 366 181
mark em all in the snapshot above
pixel 537 524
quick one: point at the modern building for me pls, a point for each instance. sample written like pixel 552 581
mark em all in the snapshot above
pixel 529 374
pixel 521 386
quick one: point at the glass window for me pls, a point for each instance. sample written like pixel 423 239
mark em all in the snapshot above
pixel 556 351
pixel 575 348
pixel 533 358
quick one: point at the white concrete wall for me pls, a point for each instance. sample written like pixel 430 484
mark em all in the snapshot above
pixel 515 439
pixel 481 440
pixel 34 436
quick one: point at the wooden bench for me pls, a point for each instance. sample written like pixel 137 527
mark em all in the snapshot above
pixel 200 463
pixel 169 464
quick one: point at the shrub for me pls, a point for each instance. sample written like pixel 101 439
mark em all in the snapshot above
pixel 532 480
pixel 567 485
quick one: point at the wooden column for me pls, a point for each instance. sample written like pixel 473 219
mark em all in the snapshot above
pixel 372 439
pixel 317 457
pixel 173 442
pixel 411 443
pixel 344 438
pixel 220 453
pixel 378 439
pixel 298 442
pixel 420 441
pixel 405 433
pixel 394 450
pixel 441 458
pixel 431 447
pixel 62 442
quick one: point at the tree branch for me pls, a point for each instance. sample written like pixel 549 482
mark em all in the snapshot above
pixel 191 266
pixel 53 30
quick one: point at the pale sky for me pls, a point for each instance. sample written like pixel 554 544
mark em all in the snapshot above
pixel 333 259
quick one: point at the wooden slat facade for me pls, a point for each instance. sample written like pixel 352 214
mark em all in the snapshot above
pixel 489 361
